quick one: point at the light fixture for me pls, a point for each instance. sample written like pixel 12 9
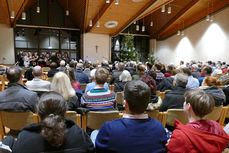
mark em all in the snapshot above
pixel 38 6
pixel 208 18
pixel 116 2
pixel 23 16
pixel 163 8
pixel 12 14
pixel 169 10
pixel 178 32
pixel 107 1
pixel 151 23
pixel 134 22
pixel 211 18
pixel 143 28
pixel 90 23
pixel 67 11
pixel 137 27
pixel 49 47
pixel 182 33
pixel 98 24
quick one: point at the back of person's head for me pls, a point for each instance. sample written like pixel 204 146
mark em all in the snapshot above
pixel 201 102
pixel 13 74
pixel 207 70
pixel 101 75
pixel 137 95
pixel 62 63
pixel 149 65
pixel 53 65
pixel 181 80
pixel 187 71
pixel 72 64
pixel 141 68
pixel 62 85
pixel 175 71
pixel 79 66
pixel 158 66
pixel 121 66
pixel 170 67
pixel 51 109
pixel 153 74
pixel 211 81
pixel 71 73
pixel 125 76
pixel 37 71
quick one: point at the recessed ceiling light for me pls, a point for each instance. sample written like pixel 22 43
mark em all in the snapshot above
pixel 136 0
pixel 111 24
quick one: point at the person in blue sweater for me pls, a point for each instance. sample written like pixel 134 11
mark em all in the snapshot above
pixel 135 132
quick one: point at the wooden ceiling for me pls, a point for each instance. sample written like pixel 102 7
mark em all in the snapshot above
pixel 184 13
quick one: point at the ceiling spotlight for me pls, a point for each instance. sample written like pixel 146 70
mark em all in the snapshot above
pixel 151 23
pixel 98 24
pixel 67 12
pixel 12 14
pixel 143 28
pixel 23 16
pixel 134 22
pixel 178 32
pixel 90 23
pixel 116 2
pixel 137 27
pixel 107 1
pixel 38 9
pixel 163 8
pixel 169 10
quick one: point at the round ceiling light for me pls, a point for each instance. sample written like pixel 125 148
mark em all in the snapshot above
pixel 111 24
pixel 136 0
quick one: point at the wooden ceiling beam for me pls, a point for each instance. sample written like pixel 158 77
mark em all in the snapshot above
pixel 4 6
pixel 23 5
pixel 176 17
pixel 101 12
pixel 85 15
pixel 136 16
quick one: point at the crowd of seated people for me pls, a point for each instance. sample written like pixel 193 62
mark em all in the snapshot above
pixel 67 78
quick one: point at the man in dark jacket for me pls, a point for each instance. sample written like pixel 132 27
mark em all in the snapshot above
pixel 80 76
pixel 175 98
pixel 17 98
pixel 116 74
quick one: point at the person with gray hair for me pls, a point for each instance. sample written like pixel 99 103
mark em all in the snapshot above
pixel 62 67
pixel 37 84
pixel 123 79
pixel 175 98
pixel 117 73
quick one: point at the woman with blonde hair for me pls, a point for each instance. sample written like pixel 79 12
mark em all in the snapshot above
pixel 62 85
pixel 210 86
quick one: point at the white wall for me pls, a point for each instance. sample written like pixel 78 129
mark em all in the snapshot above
pixel 6 45
pixel 102 41
pixel 202 42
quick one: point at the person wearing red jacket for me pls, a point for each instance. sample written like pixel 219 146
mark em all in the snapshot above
pixel 197 136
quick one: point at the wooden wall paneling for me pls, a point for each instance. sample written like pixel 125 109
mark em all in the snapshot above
pixel 192 16
pixel 177 16
pixel 5 10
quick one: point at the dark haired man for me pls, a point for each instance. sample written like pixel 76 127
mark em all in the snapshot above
pixel 99 98
pixel 160 76
pixel 116 74
pixel 206 71
pixel 135 132
pixel 16 98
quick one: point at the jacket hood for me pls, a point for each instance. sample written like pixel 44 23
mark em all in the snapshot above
pixel 203 141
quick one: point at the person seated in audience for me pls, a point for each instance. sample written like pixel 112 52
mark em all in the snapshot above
pixel 72 77
pixel 148 67
pixel 195 72
pixel 116 74
pixel 53 70
pixel 37 84
pixel 140 71
pixel 62 85
pixel 87 70
pixel 55 133
pixel 135 132
pixel 167 82
pixel 175 98
pixel 206 71
pixel 193 83
pixel 210 86
pixel 150 82
pixel 130 68
pixel 62 67
pixel 92 84
pixel 123 79
pixel 105 64
pixel 17 98
pixel 160 76
pixel 29 74
pixel 99 98
pixel 80 76
pixel 170 68
pixel 198 135
pixel 217 71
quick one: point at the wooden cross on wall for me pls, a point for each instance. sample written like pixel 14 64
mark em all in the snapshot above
pixel 96 48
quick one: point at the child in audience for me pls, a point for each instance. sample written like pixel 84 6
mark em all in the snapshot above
pixel 54 133
pixel 198 135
